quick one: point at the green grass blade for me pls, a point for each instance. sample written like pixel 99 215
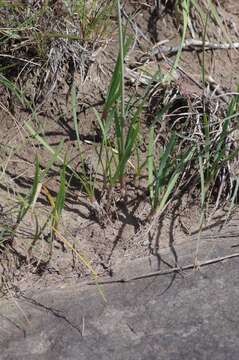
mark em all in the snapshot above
pixel 52 160
pixel 28 201
pixel 150 164
pixel 74 113
pixel 60 198
pixel 185 8
pixel 114 91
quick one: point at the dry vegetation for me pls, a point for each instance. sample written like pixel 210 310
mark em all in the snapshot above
pixel 119 125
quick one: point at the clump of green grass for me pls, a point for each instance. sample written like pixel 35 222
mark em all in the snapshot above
pixel 125 123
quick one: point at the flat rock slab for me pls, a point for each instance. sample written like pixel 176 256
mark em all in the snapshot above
pixel 186 315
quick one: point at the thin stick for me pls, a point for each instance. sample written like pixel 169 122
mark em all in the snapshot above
pixel 194 45
pixel 19 59
pixel 170 271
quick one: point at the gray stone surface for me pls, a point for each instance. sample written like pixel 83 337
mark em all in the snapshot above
pixel 192 315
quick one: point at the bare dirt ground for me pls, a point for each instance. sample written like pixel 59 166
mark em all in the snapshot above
pixel 34 262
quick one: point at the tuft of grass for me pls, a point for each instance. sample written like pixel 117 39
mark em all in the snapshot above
pixel 163 175
pixel 116 115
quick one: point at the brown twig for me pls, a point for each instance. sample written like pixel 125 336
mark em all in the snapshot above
pixel 193 45
pixel 169 271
